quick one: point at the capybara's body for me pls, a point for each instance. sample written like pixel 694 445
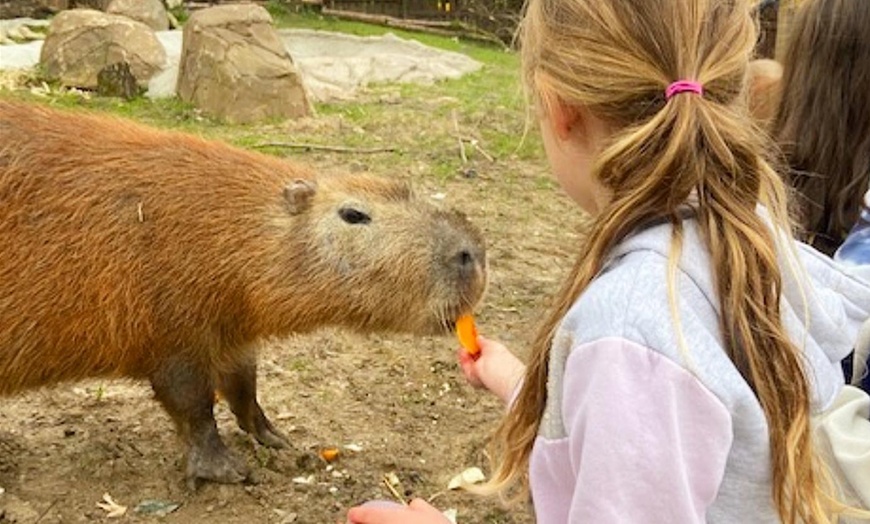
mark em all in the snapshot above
pixel 131 252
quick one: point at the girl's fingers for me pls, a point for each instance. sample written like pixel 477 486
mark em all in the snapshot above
pixel 374 515
pixel 467 364
pixel 417 512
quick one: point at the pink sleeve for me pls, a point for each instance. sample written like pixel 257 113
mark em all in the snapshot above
pixel 647 441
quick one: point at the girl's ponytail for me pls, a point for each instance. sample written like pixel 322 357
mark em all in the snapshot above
pixel 691 150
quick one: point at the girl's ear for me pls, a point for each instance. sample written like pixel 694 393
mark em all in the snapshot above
pixel 562 118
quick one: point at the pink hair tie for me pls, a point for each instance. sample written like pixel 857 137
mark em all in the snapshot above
pixel 683 86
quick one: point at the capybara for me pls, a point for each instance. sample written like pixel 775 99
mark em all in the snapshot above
pixel 127 251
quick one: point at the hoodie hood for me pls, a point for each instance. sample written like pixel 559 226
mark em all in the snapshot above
pixel 823 304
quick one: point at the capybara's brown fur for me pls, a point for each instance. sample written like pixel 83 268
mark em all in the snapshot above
pixel 127 251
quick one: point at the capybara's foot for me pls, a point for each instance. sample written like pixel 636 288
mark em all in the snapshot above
pixel 216 465
pixel 239 387
pixel 267 435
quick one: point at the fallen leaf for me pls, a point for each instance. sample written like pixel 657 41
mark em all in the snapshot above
pixel 304 480
pixel 158 508
pixel 113 509
pixel 392 478
pixel 469 476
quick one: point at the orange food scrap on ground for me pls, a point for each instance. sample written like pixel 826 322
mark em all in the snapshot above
pixel 467 333
pixel 329 454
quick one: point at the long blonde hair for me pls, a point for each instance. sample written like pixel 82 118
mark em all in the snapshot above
pixel 616 59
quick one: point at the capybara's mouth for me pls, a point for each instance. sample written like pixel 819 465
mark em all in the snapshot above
pixel 447 324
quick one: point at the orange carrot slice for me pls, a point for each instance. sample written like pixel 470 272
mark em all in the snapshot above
pixel 329 454
pixel 467 333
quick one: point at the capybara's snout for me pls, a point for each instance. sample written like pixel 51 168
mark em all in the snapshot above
pixel 469 264
pixel 469 261
pixel 464 264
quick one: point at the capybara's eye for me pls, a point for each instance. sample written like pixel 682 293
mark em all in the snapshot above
pixel 353 216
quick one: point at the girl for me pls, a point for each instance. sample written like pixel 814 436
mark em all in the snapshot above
pixel 823 119
pixel 823 123
pixel 675 378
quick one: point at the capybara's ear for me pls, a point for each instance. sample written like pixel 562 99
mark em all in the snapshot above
pixel 298 195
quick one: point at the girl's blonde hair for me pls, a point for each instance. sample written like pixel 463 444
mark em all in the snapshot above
pixel 616 59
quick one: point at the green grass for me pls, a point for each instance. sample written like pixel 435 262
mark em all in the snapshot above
pixel 488 104
pixel 162 112
pixel 495 85
pixel 490 101
pixel 419 120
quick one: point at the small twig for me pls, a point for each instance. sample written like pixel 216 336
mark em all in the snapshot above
pixel 483 152
pixel 395 493
pixel 136 449
pixel 476 143
pixel 435 496
pixel 139 212
pixel 46 510
pixel 507 309
pixel 334 149
pixel 462 154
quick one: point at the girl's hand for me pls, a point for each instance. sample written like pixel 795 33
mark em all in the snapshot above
pixel 495 368
pixel 417 512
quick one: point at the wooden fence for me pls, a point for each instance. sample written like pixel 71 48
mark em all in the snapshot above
pixel 406 9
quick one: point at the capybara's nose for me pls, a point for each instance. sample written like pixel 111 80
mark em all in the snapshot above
pixel 469 262
pixel 466 260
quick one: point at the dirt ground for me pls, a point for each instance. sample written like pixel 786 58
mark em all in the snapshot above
pixel 399 402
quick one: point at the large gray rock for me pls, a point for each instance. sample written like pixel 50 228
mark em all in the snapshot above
pixel 82 42
pixel 234 66
pixel 99 5
pixel 30 8
pixel 149 12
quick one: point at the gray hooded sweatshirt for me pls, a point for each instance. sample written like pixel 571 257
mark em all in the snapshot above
pixel 647 419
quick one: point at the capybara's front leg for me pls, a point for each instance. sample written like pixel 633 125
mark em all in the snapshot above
pixel 239 388
pixel 187 393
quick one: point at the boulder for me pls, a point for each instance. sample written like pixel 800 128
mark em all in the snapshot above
pixel 234 66
pixel 117 80
pixel 30 8
pixel 99 5
pixel 149 12
pixel 82 42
